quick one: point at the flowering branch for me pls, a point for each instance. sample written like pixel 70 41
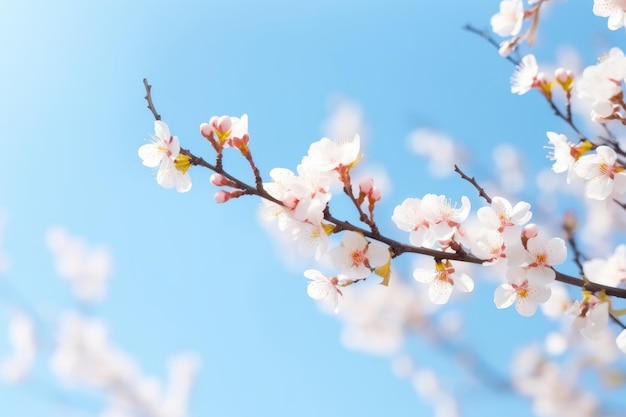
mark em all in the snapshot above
pixel 396 248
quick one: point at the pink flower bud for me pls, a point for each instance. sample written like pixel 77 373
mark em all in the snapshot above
pixel 222 196
pixel 219 180
pixel 366 185
pixel 375 194
pixel 290 202
pixel 565 78
pixel 220 124
pixel 530 230
pixel 206 130
pixel 506 48
pixel 563 75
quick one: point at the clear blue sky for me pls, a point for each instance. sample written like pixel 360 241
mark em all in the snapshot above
pixel 194 275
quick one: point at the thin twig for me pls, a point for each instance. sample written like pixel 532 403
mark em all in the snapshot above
pixel 486 36
pixel 148 98
pixel 472 180
pixel 566 118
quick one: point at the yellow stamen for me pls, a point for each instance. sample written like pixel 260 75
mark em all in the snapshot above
pixel 182 162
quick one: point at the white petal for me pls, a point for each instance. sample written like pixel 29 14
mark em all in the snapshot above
pixel 425 276
pixel 150 155
pixel 525 307
pixel 162 130
pixel 319 290
pixel 183 183
pixel 439 291
pixel 464 283
pixel 621 341
pixel 504 296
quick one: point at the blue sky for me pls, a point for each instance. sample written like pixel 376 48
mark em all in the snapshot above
pixel 194 275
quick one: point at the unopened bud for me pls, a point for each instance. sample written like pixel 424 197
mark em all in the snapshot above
pixel 375 194
pixel 570 223
pixel 507 47
pixel 530 231
pixel 222 196
pixel 219 180
pixel 366 185
pixel 221 123
pixel 205 130
pixel 565 78
pixel 544 85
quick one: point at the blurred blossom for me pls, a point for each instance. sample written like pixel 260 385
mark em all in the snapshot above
pixel 510 169
pixel 559 301
pixel 345 121
pixel 430 388
pixel 552 392
pixel 440 150
pixel 376 321
pixel 86 269
pixel 402 366
pixel 16 367
pixel 556 343
pixel 85 356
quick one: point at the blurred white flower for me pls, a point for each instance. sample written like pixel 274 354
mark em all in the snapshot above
pixel 86 269
pixel 22 338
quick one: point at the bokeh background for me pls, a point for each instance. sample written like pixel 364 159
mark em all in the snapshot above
pixel 192 275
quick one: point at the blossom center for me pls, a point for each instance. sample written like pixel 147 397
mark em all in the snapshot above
pixel 359 258
pixel 521 290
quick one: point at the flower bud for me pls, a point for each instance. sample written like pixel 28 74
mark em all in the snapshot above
pixel 222 196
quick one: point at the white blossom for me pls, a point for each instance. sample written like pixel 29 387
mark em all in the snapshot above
pixel 615 10
pixel 604 174
pixel 441 280
pixel 508 21
pixel 521 288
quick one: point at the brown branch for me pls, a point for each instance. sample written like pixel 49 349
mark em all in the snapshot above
pixel 472 180
pixel 486 36
pixel 148 98
pixel 398 248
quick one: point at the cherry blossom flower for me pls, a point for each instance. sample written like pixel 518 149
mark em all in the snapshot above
pixel 565 154
pixel 323 288
pixel 165 153
pixel 356 256
pixel 615 10
pixel 520 287
pixel 508 21
pixel 164 147
pixel 311 239
pixel 444 220
pixel 604 173
pixel 504 218
pixel 601 83
pixel 409 217
pixel 302 201
pixel 591 315
pixel 490 246
pixel 538 256
pixel 525 75
pixel 441 279
pixel 610 272
pixel 328 155
pixel 175 174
